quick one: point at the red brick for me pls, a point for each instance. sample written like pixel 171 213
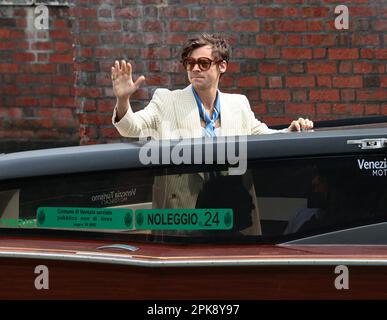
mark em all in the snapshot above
pixel 348 82
pixel 104 26
pixel 319 53
pixel 322 67
pixel 11 112
pixel 227 81
pixel 315 25
pixel 272 53
pixel 365 40
pixel 24 57
pixel 233 67
pixel 372 109
pixel 66 123
pixel 253 53
pixel 259 109
pixel 246 26
pixel 356 109
pixel 89 105
pixel 109 132
pixel 294 40
pixel 272 39
pixel 89 92
pixel 372 95
pixel 60 24
pixel 323 108
pixel 64 102
pixel 266 12
pixel 41 45
pixel 305 109
pixel 319 40
pixel 88 39
pixel 17 34
pixel 324 95
pixel 248 81
pixel 275 82
pixel 297 68
pixel 220 13
pixel 324 81
pixel 175 39
pixel 61 34
pixel 300 81
pixel 339 108
pixel 368 67
pixel 152 25
pixel 9 68
pixel 187 26
pixel 343 54
pixel 275 95
pixel 299 95
pixel 5 33
pixel 380 25
pixel 63 46
pixel 383 81
pixel 176 12
pixel 158 80
pixel 26 101
pixel 315 12
pixel 347 94
pixel 156 53
pixel 8 45
pixel 381 54
pixel 345 67
pixel 291 26
pixel 61 58
pixel 129 12
pixel 296 53
pixel 106 105
pixel 265 67
pixel 113 53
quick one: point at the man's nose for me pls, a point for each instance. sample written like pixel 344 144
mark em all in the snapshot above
pixel 196 68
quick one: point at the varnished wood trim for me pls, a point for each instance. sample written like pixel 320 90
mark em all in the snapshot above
pixel 124 259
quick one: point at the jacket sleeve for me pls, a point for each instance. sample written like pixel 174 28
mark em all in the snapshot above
pixel 141 123
pixel 258 127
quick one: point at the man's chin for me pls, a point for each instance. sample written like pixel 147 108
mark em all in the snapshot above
pixel 197 85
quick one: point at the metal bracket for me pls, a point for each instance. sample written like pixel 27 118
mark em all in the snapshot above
pixel 119 246
pixel 365 144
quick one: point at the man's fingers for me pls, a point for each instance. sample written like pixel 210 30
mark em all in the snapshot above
pixel 308 124
pixel 139 81
pixel 129 70
pixel 117 65
pixel 301 122
pixel 296 125
pixel 123 66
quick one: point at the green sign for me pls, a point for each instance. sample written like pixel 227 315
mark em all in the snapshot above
pixel 184 219
pixel 84 218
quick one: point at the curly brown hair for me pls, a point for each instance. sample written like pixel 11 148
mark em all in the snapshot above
pixel 220 46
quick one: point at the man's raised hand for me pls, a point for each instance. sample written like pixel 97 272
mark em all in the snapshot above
pixel 123 85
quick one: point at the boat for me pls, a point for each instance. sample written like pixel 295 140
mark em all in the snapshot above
pixel 306 219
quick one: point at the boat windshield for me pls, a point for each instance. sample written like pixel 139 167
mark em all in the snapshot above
pixel 272 201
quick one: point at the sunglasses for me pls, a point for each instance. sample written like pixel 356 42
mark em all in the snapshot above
pixel 203 63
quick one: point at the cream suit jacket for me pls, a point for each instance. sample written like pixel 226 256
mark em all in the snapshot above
pixel 174 115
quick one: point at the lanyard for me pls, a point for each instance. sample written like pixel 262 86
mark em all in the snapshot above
pixel 210 122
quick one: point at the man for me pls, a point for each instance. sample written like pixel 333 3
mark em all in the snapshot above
pixel 200 105
pixel 198 110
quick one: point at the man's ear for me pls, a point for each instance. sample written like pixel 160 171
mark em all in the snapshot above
pixel 223 66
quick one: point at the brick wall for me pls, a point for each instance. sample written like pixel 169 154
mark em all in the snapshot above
pixel 288 59
pixel 37 106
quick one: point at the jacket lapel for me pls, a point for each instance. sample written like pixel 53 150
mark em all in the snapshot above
pixel 187 114
pixel 230 116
